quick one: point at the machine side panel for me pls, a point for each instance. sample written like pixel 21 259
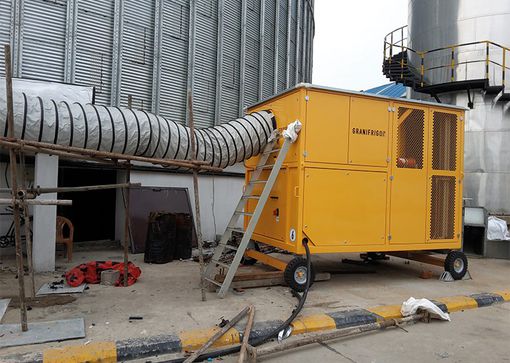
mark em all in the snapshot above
pixel 344 207
pixel 408 202
pixel 286 108
pixel 327 127
pixel 368 134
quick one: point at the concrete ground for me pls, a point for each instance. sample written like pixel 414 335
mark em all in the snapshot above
pixel 480 335
pixel 168 298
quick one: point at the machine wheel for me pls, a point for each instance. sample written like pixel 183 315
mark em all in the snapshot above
pixel 456 264
pixel 376 255
pixel 247 261
pixel 295 274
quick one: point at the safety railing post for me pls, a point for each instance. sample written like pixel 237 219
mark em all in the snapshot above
pixel 422 68
pixel 402 38
pixel 452 66
pixel 487 60
pixel 503 69
pixel 391 46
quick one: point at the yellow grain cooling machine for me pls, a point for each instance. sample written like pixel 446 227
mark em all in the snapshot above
pixel 366 174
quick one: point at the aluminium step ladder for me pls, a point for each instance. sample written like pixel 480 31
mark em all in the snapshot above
pixel 271 149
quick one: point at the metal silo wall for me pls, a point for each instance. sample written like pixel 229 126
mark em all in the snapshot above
pixel 434 24
pixel 232 52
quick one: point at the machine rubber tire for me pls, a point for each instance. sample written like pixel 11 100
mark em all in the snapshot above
pixel 376 255
pixel 247 261
pixel 456 264
pixel 295 266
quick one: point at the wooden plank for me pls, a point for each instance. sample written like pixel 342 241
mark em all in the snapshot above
pixel 265 279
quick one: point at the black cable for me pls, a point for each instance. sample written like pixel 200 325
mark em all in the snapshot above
pixel 263 339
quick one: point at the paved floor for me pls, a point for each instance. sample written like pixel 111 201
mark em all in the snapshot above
pixel 168 296
pixel 481 335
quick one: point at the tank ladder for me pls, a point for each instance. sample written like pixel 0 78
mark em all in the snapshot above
pixel 272 147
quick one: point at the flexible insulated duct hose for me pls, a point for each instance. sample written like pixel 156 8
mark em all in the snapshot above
pixel 135 132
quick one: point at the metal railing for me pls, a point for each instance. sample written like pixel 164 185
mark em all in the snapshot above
pixel 494 54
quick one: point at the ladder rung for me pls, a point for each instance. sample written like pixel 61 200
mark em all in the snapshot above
pixel 222 264
pixel 267 166
pixel 230 247
pixel 270 151
pixel 258 182
pixel 245 213
pixel 251 196
pixel 212 281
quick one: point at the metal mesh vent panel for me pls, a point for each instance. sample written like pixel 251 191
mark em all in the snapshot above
pixel 444 141
pixel 442 210
pixel 410 138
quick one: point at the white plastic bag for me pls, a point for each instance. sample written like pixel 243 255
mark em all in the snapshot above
pixel 292 131
pixel 497 229
pixel 412 305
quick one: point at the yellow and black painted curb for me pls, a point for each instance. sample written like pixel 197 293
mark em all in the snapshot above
pixel 106 352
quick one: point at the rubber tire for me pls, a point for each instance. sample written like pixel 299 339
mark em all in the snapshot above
pixel 449 264
pixel 288 274
pixel 247 261
pixel 376 255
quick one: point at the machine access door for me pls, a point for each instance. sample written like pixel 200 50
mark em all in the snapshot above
pixel 408 211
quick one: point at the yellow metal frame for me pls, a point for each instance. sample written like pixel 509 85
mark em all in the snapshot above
pixel 335 187
pixel 266 259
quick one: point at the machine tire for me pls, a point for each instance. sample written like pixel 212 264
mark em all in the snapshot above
pixel 247 261
pixel 376 255
pixel 295 266
pixel 456 264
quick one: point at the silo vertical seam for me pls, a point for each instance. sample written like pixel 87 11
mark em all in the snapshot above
pixel 242 60
pixel 17 20
pixel 261 45
pixel 298 40
pixel 276 45
pixel 289 32
pixel 312 36
pixel 156 64
pixel 219 63
pixel 191 52
pixel 117 52
pixel 305 41
pixel 70 38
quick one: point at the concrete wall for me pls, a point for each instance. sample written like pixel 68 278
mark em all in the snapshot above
pixel 219 196
pixel 6 220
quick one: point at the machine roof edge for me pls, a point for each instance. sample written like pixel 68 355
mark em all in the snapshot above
pixel 351 92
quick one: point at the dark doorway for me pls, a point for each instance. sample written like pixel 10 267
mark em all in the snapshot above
pixel 92 212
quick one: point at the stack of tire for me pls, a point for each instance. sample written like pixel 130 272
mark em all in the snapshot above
pixel 169 237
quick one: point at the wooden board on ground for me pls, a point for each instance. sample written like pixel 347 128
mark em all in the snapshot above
pixel 42 301
pixel 4 303
pixel 257 277
pixel 52 288
pixel 42 332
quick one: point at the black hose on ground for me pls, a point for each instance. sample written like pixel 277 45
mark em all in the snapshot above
pixel 274 333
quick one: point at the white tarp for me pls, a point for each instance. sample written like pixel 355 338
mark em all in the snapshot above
pixel 412 306
pixel 497 229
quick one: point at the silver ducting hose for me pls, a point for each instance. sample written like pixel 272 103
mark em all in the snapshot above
pixel 135 132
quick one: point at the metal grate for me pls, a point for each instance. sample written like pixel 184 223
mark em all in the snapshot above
pixel 444 141
pixel 442 210
pixel 410 138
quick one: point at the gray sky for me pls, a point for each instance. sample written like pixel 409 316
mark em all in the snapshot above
pixel 349 38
